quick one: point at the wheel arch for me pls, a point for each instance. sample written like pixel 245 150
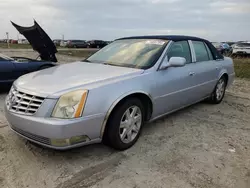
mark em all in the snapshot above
pixel 224 73
pixel 141 95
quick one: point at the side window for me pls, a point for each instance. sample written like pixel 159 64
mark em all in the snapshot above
pixel 210 55
pixel 180 49
pixel 200 51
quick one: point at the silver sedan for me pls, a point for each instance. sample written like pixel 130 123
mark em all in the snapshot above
pixel 110 95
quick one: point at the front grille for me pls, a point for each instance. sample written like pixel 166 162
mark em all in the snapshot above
pixel 37 138
pixel 23 103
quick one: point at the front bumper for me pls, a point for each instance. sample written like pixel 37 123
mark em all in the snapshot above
pixel 41 130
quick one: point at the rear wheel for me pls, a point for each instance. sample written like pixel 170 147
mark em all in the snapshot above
pixel 125 124
pixel 219 91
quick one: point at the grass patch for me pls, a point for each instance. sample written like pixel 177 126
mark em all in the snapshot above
pixel 15 46
pixel 242 67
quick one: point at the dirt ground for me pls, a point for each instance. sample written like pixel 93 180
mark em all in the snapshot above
pixel 203 146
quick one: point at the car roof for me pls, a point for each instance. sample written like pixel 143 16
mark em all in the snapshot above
pixel 165 37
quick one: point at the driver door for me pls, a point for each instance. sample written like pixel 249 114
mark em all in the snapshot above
pixel 175 86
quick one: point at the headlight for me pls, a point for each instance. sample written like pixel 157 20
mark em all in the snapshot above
pixel 70 105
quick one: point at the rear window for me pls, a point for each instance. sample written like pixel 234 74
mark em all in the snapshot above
pixel 200 51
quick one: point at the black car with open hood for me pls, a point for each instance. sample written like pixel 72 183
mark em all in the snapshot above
pixel 39 40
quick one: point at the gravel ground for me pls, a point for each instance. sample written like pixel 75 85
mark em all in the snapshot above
pixel 203 146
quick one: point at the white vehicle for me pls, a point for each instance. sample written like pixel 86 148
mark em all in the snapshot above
pixel 23 41
pixel 63 43
pixel 242 48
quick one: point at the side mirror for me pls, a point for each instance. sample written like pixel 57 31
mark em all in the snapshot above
pixel 173 62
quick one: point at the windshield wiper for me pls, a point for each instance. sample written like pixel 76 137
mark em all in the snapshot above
pixel 112 64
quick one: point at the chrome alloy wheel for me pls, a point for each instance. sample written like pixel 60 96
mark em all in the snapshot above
pixel 130 124
pixel 220 89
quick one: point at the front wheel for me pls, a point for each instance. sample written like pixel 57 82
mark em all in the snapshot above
pixel 219 91
pixel 125 124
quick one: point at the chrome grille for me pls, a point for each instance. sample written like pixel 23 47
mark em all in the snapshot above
pixel 23 103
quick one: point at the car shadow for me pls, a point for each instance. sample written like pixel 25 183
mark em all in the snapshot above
pixel 4 88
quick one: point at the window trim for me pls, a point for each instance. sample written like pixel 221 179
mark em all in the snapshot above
pixel 195 52
pixel 171 44
pixel 192 51
pixel 208 52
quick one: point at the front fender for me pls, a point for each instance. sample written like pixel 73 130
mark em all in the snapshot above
pixel 222 72
pixel 115 103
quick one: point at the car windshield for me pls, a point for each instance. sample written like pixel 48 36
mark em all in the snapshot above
pixel 134 53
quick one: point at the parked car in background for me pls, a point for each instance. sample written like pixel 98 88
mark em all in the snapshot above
pixel 23 41
pixel 96 44
pixel 111 94
pixel 3 41
pixel 242 48
pixel 57 42
pixel 63 43
pixel 223 48
pixel 12 68
pixel 14 41
pixel 76 44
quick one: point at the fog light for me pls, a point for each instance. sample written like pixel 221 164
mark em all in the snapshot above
pixel 60 142
pixel 71 141
pixel 78 139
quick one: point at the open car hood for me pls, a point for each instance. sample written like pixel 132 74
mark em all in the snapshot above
pixel 39 40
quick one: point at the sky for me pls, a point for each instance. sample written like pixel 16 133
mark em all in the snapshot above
pixel 215 20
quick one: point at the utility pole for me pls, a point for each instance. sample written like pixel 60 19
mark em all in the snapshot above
pixel 8 42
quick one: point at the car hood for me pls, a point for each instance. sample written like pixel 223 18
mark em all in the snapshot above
pixel 52 82
pixel 39 40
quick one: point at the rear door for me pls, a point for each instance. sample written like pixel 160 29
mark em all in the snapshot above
pixel 206 69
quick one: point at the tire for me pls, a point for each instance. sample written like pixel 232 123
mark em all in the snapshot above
pixel 122 132
pixel 219 91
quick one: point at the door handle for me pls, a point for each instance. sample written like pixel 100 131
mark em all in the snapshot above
pixel 216 68
pixel 191 73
